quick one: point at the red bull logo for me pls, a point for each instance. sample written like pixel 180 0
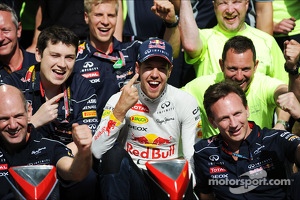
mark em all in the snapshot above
pixel 139 119
pixel 151 153
pixel 157 44
pixel 151 140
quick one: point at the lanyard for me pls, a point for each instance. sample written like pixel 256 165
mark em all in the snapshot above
pixel 237 154
pixel 67 102
pixel 118 61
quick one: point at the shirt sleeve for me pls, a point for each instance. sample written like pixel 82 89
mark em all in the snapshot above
pixel 108 130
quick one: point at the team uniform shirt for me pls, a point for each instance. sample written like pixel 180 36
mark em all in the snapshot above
pixel 260 97
pixel 137 13
pixel 28 60
pixel 262 156
pixel 80 100
pixel 270 56
pixel 251 13
pixel 285 10
pixel 38 151
pixel 107 73
pixel 153 129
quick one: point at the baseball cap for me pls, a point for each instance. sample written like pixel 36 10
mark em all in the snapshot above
pixel 155 47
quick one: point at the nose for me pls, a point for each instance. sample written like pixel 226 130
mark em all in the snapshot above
pixel 233 121
pixel 104 19
pixel 154 73
pixel 12 123
pixel 61 62
pixel 239 76
pixel 230 7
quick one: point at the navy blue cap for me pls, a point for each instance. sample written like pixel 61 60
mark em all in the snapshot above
pixel 155 47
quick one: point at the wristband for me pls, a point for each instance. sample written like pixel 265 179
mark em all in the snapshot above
pixel 284 123
pixel 293 71
pixel 172 25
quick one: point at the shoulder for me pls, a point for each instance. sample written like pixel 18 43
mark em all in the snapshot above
pixel 17 77
pixel 264 82
pixel 84 49
pixel 201 83
pixel 210 144
pixel 179 95
pixel 257 35
pixel 130 47
pixel 79 84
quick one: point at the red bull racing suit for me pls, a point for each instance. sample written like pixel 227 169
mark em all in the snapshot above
pixel 153 128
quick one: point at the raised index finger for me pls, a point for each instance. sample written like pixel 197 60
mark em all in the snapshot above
pixel 133 80
pixel 56 98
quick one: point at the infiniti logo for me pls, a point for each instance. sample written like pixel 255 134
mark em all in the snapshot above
pixel 88 64
pixel 165 105
pixel 214 157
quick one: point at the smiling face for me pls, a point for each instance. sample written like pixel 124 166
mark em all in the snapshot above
pixel 9 34
pixel 102 21
pixel 57 62
pixel 154 73
pixel 239 67
pixel 231 14
pixel 13 118
pixel 230 117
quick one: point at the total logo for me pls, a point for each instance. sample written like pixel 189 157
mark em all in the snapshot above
pixel 151 140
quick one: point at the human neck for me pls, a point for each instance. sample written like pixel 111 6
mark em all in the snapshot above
pixel 14 60
pixel 50 90
pixel 234 147
pixel 104 47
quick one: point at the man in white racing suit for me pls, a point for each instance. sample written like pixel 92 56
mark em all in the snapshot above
pixel 149 120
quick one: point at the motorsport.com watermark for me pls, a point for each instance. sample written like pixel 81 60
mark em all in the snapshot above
pixel 246 185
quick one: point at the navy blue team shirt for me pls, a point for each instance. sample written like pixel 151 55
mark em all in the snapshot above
pixel 107 75
pixel 82 103
pixel 264 155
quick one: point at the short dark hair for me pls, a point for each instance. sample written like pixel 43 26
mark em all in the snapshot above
pixel 221 90
pixel 239 44
pixel 56 34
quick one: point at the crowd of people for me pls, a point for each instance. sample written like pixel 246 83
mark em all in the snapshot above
pixel 104 86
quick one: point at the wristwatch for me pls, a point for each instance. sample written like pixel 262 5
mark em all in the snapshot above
pixel 172 25
pixel 293 71
pixel 284 123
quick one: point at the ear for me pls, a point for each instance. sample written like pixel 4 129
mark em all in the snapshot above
pixel 255 65
pixel 19 30
pixel 212 122
pixel 221 63
pixel 29 111
pixel 137 68
pixel 86 18
pixel 38 55
pixel 248 113
pixel 170 71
